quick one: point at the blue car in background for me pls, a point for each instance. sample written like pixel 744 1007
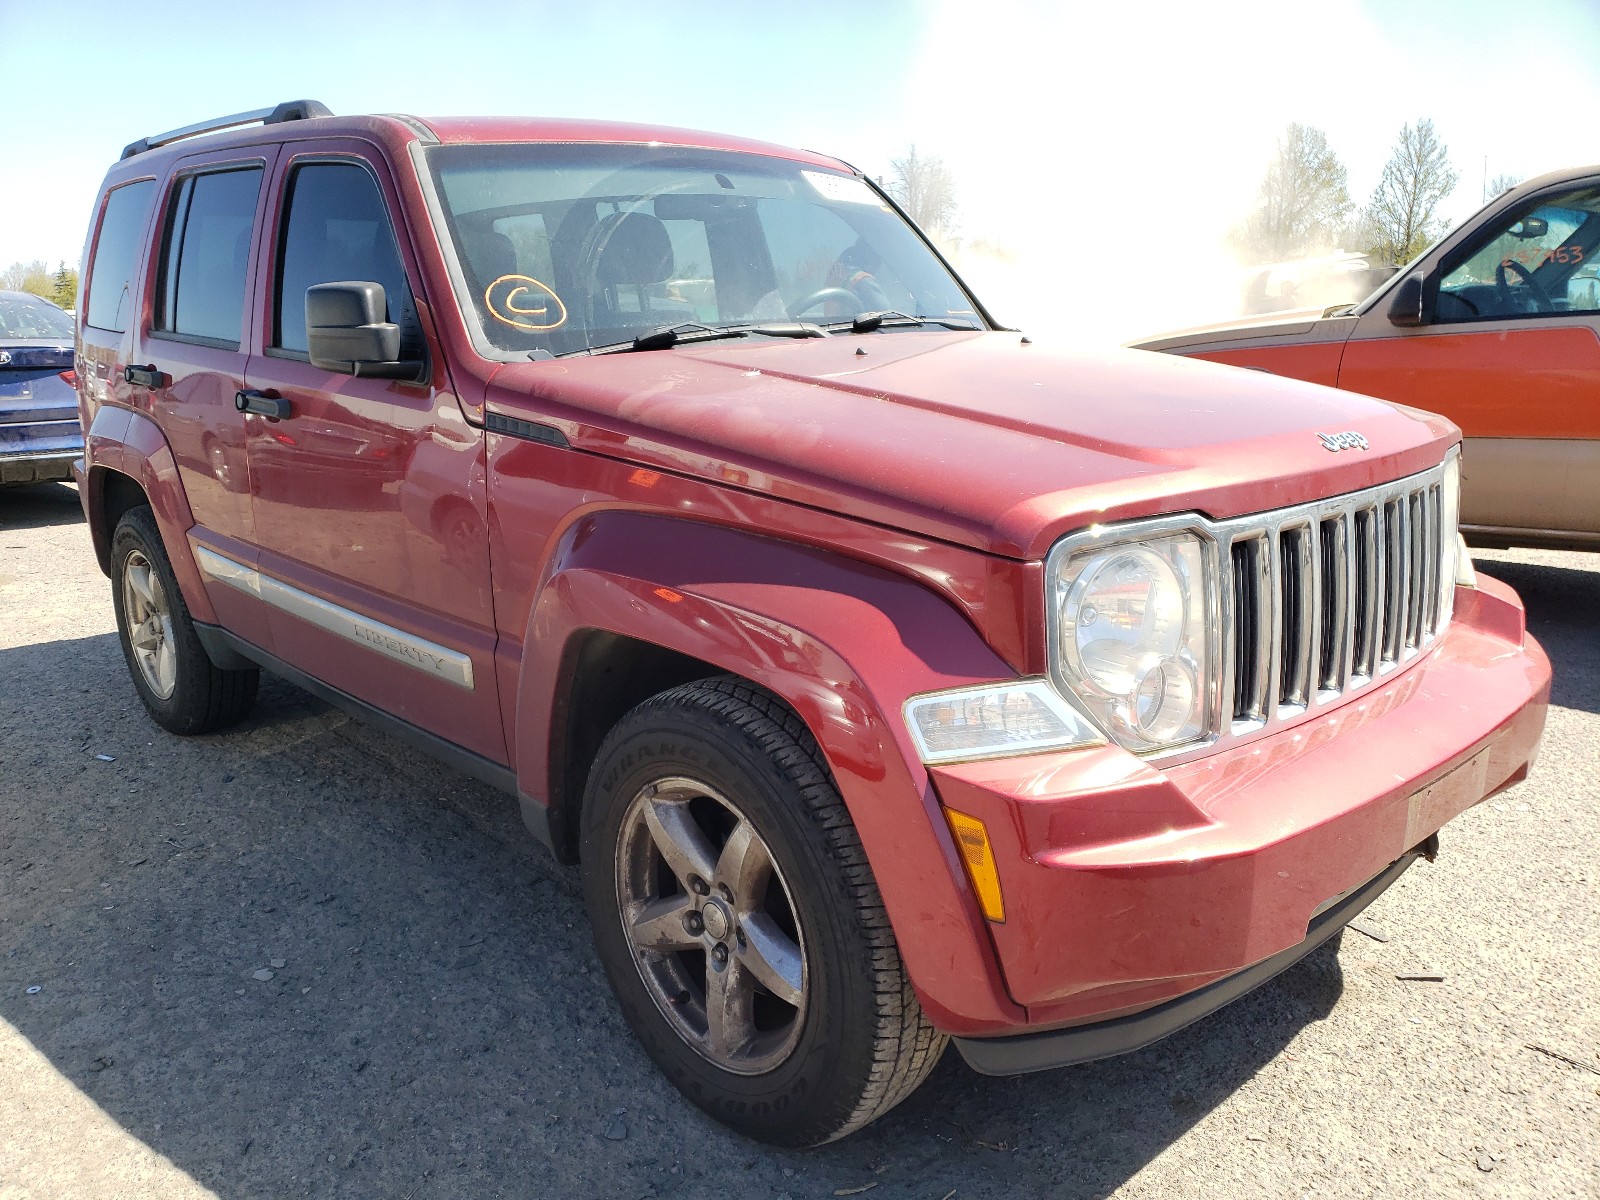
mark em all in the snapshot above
pixel 39 431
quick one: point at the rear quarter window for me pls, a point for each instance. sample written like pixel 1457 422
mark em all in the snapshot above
pixel 115 252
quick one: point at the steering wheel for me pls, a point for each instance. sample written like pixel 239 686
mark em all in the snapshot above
pixel 1502 286
pixel 822 296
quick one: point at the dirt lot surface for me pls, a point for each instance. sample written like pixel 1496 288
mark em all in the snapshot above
pixel 302 959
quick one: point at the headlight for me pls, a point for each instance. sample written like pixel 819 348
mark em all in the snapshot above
pixel 1133 631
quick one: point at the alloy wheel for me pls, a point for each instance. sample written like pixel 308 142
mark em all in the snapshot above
pixel 149 619
pixel 712 925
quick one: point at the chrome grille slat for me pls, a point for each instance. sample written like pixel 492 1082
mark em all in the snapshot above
pixel 1328 597
pixel 1397 543
pixel 1436 555
pixel 1365 603
pixel 1337 625
pixel 1272 598
pixel 1251 652
pixel 1296 599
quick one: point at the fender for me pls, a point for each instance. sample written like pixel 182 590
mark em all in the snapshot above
pixel 844 644
pixel 129 443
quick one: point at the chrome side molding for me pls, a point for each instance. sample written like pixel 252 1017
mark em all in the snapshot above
pixel 428 657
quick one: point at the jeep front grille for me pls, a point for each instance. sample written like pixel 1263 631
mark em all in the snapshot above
pixel 1322 599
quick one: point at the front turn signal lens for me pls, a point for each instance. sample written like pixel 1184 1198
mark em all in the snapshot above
pixel 1022 716
pixel 972 839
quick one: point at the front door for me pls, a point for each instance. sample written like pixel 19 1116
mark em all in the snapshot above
pixel 1512 355
pixel 370 494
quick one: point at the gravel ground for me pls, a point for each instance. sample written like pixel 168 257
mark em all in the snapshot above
pixel 302 959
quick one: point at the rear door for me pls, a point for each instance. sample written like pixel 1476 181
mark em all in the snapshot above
pixel 196 347
pixel 370 495
pixel 1512 355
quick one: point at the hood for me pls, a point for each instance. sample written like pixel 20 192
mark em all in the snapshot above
pixel 1301 326
pixel 981 439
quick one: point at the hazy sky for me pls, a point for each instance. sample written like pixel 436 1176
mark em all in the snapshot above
pixel 1086 138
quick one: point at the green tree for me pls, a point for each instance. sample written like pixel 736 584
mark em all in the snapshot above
pixel 1416 178
pixel 925 188
pixel 65 291
pixel 1304 199
pixel 32 277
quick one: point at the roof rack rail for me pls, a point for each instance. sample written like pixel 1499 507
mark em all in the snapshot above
pixel 290 110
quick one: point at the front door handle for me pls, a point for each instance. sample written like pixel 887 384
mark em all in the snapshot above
pixel 150 377
pixel 263 404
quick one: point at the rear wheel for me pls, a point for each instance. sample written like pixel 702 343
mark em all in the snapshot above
pixel 183 689
pixel 738 919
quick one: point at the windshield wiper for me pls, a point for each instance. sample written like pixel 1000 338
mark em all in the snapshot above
pixel 868 321
pixel 668 336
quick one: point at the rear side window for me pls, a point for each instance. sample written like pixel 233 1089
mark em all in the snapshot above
pixel 207 255
pixel 338 230
pixel 111 271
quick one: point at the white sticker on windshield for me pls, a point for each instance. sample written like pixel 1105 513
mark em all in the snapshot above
pixel 840 188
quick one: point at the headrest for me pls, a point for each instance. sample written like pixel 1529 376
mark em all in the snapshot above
pixel 634 248
pixel 490 254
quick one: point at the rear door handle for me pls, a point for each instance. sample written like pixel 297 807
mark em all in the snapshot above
pixel 150 377
pixel 263 404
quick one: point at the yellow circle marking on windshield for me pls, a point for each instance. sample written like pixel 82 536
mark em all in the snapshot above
pixel 521 306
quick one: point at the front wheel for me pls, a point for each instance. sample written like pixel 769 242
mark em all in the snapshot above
pixel 181 687
pixel 738 920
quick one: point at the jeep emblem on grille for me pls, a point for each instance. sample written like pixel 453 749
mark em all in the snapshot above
pixel 1349 440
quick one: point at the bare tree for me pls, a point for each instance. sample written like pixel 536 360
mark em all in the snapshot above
pixel 924 187
pixel 1305 199
pixel 1416 178
pixel 1499 186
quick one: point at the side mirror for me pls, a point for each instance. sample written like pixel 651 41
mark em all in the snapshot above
pixel 1409 307
pixel 346 332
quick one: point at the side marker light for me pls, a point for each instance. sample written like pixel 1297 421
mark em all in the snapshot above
pixel 972 839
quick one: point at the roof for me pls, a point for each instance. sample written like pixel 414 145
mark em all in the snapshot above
pixel 299 119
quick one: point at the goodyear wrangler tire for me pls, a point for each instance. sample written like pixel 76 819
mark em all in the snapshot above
pixel 739 922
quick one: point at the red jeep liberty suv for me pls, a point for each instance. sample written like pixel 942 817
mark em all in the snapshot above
pixel 893 679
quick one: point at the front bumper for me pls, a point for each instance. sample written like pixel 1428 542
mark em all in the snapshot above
pixel 1022 1053
pixel 1139 898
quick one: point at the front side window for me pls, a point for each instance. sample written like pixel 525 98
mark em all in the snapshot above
pixel 1540 260
pixel 111 270
pixel 337 230
pixel 566 248
pixel 207 256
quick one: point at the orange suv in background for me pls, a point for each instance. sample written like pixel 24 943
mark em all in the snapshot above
pixel 1497 327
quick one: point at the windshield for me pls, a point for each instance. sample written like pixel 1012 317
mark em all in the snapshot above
pixel 27 317
pixel 564 248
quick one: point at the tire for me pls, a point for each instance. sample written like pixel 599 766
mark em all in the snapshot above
pixel 183 689
pixel 766 864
